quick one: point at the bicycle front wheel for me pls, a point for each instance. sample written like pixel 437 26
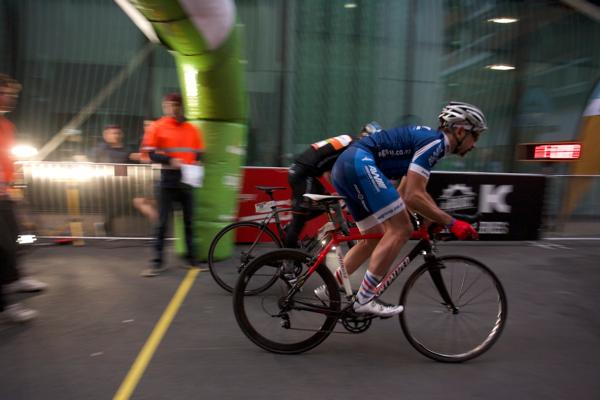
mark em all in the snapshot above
pixel 448 334
pixel 234 247
pixel 288 317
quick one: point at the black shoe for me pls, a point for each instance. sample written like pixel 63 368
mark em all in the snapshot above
pixel 152 271
pixel 191 264
pixel 155 269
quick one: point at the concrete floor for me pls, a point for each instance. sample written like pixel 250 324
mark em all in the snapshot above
pixel 99 312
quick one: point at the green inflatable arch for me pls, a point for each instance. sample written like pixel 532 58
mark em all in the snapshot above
pixel 203 38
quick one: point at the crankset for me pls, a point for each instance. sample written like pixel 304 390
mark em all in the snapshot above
pixel 355 323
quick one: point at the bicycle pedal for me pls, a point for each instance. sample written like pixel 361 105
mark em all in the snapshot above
pixel 290 278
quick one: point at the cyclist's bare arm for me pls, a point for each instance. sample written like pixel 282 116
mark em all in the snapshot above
pixel 401 188
pixel 402 191
pixel 413 190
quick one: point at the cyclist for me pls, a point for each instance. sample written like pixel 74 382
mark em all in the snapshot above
pixel 303 174
pixel 362 174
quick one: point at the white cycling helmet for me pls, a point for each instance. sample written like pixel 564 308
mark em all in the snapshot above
pixel 372 127
pixel 457 113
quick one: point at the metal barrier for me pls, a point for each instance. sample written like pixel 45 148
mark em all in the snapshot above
pixel 87 199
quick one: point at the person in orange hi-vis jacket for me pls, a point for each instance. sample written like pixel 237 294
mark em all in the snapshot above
pixel 174 143
pixel 11 278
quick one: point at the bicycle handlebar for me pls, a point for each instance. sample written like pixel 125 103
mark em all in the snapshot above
pixel 434 230
pixel 472 219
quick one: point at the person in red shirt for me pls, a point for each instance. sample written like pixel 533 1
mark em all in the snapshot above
pixel 10 278
pixel 173 142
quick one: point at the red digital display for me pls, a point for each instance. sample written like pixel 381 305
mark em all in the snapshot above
pixel 556 151
pixel 549 151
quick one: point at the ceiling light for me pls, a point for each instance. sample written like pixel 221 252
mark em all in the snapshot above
pixel 500 67
pixel 503 20
pixel 350 5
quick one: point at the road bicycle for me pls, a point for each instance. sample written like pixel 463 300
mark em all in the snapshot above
pixel 455 307
pixel 236 245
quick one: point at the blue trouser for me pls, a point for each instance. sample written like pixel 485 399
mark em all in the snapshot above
pixel 370 196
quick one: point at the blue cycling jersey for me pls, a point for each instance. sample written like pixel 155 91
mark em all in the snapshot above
pixel 398 150
pixel 361 172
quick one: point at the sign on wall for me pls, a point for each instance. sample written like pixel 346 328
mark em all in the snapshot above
pixel 511 204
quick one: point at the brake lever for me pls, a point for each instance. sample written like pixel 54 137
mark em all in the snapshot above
pixel 471 219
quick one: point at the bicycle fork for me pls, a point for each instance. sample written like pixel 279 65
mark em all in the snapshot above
pixel 434 267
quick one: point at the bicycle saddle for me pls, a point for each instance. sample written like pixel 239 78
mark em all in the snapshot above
pixel 320 198
pixel 270 188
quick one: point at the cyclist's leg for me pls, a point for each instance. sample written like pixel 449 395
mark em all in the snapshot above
pixel 294 228
pixel 361 251
pixel 397 231
pixel 299 182
pixel 344 177
pixel 370 198
pixel 375 204
pixel 313 186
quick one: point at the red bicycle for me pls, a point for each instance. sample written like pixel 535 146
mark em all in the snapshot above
pixel 455 307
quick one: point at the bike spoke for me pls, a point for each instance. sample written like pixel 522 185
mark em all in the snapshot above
pixel 453 334
pixel 286 318
pixel 234 248
pixel 469 287
pixel 482 292
pixel 451 282
pixel 429 296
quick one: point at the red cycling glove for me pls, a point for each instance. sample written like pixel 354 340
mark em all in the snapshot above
pixel 462 230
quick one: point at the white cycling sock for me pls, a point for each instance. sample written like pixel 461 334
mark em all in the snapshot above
pixel 367 287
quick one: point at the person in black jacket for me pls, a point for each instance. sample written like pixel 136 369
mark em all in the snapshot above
pixel 111 150
pixel 304 174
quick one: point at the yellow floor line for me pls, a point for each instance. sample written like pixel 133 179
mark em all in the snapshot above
pixel 143 359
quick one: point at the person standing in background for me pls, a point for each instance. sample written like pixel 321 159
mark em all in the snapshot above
pixel 11 280
pixel 112 149
pixel 173 142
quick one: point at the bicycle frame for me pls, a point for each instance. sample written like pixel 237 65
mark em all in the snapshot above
pixel 274 215
pixel 424 246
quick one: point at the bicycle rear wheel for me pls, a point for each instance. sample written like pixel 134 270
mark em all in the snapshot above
pixel 447 335
pixel 286 318
pixel 243 242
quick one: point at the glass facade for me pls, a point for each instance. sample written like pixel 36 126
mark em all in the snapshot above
pixel 316 68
